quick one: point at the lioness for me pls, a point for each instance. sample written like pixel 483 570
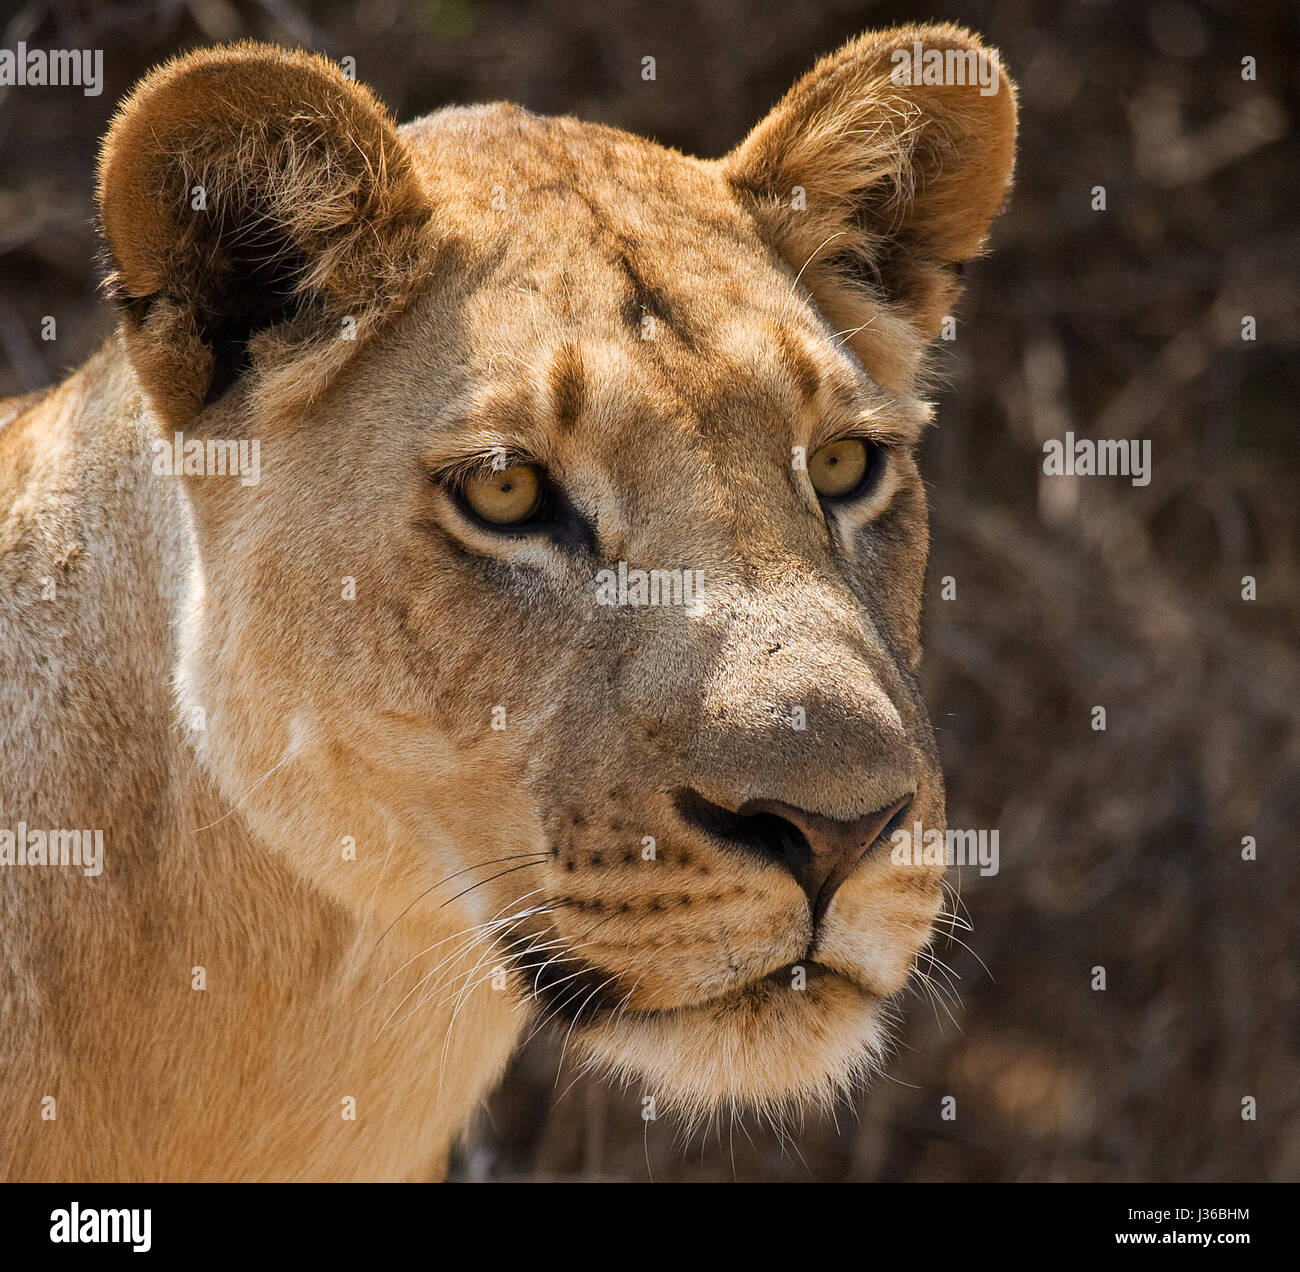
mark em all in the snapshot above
pixel 477 585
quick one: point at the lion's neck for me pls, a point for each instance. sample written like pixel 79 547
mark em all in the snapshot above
pixel 198 1009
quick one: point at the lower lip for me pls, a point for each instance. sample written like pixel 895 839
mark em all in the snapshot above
pixel 812 971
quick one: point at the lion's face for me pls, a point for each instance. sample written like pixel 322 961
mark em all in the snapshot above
pixel 585 593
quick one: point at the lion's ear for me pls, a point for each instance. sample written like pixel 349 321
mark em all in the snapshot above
pixel 248 192
pixel 877 175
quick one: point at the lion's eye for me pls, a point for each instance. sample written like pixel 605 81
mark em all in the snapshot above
pixel 839 468
pixel 504 498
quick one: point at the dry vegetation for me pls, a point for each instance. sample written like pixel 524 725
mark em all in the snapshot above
pixel 1119 849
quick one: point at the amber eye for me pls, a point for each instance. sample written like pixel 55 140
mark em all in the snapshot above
pixel 504 498
pixel 837 469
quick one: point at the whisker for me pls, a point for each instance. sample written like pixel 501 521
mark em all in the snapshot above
pixel 499 875
pixel 492 862
pixel 460 952
pixel 464 931
pixel 239 803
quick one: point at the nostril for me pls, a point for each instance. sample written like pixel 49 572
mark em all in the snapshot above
pixel 819 851
pixel 897 821
pixel 766 833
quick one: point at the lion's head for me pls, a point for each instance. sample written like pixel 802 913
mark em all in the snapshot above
pixel 580 586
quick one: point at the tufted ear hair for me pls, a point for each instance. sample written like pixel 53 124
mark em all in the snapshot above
pixel 877 175
pixel 253 200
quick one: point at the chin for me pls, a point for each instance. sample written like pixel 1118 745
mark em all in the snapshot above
pixel 768 1047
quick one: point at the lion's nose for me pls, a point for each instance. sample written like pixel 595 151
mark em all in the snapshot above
pixel 819 851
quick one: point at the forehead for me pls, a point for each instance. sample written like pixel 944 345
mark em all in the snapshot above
pixel 610 233
pixel 608 277
pixel 559 200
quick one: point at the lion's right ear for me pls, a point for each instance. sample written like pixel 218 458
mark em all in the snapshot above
pixel 253 199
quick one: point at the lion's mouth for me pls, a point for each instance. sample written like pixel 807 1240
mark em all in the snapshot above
pixel 790 977
pixel 812 970
pixel 585 992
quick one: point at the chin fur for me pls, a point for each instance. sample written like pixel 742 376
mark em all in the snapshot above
pixel 773 1050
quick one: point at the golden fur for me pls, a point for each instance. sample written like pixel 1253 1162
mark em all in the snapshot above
pixel 237 682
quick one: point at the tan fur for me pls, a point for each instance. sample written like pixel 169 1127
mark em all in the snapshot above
pixel 181 669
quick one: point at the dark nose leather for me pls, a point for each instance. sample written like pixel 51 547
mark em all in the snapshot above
pixel 820 852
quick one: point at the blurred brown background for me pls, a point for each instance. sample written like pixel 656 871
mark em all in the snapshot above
pixel 1120 849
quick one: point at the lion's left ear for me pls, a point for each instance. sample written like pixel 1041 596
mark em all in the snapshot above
pixel 877 175
pixel 254 199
